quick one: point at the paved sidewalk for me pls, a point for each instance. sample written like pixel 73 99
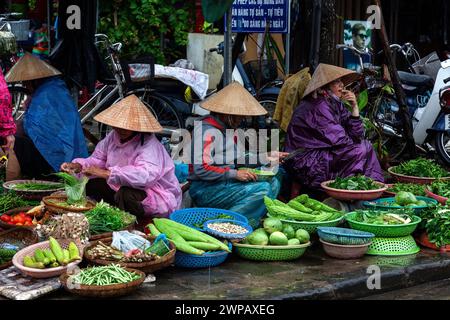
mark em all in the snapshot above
pixel 314 276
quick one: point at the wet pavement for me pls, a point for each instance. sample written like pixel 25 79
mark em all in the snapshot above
pixel 313 276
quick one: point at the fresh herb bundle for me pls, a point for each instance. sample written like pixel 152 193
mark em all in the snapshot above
pixel 106 218
pixel 415 189
pixel 441 188
pixel 11 200
pixel 390 217
pixel 438 228
pixel 423 168
pixel 358 182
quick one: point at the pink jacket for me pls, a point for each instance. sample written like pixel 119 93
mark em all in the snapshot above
pixel 147 167
pixel 7 125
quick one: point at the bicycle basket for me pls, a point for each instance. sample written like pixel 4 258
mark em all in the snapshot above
pixel 264 71
pixel 139 72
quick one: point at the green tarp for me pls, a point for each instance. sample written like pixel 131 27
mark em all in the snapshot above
pixel 213 10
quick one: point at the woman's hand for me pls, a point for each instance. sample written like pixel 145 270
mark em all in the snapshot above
pixel 71 167
pixel 277 156
pixel 246 176
pixel 95 171
pixel 351 97
pixel 9 143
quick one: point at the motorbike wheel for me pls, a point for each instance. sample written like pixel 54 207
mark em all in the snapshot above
pixel 269 103
pixel 442 143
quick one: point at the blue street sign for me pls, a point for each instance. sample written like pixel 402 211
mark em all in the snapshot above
pixel 252 16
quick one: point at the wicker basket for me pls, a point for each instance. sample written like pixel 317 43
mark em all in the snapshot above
pixel 340 251
pixel 32 195
pixel 270 253
pixel 114 290
pixel 54 208
pixel 19 237
pixel 44 273
pixel 147 267
pixel 354 195
pixel 398 230
pixel 410 179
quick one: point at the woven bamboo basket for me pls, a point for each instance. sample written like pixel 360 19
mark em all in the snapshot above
pixel 147 267
pixel 19 237
pixel 109 291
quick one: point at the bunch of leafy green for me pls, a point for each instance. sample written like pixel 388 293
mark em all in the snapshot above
pixel 415 189
pixel 423 168
pixel 158 28
pixel 358 182
pixel 441 188
pixel 106 218
pixel 438 228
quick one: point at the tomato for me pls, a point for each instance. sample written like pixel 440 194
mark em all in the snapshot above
pixel 5 218
pixel 28 223
pixel 28 219
pixel 19 224
pixel 22 214
pixel 18 219
pixel 11 223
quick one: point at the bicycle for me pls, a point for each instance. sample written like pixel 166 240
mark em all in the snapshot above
pixel 110 92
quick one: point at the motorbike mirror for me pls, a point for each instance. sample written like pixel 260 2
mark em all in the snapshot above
pixel 447 80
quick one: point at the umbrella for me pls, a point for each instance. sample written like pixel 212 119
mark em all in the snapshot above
pixel 213 10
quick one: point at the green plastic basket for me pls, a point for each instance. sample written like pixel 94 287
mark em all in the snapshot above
pixel 311 227
pixel 385 231
pixel 270 253
pixel 400 246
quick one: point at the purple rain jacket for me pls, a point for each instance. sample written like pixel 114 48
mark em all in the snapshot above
pixel 333 143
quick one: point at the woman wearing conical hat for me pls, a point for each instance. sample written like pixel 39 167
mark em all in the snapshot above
pixel 216 180
pixel 130 168
pixel 50 131
pixel 330 137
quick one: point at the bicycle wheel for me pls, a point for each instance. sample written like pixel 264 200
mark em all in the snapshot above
pixel 19 95
pixel 161 108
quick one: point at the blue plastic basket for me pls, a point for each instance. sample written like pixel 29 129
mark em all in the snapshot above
pixel 191 216
pixel 344 236
pixel 228 236
pixel 206 260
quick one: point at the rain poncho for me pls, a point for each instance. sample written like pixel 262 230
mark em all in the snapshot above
pixel 214 184
pixel 53 124
pixel 145 167
pixel 332 143
pixel 7 125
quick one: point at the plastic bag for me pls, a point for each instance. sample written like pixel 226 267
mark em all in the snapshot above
pixel 126 241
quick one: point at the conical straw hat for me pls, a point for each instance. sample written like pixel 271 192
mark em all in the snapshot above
pixel 130 114
pixel 326 73
pixel 30 67
pixel 234 100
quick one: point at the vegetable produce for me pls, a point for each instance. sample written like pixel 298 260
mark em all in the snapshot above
pixel 105 252
pixel 106 218
pixel 278 239
pixel 404 198
pixel 302 235
pixel 415 189
pixel 294 242
pixel 53 257
pixel 438 229
pixel 36 186
pixel 316 211
pixel 75 188
pixel 66 226
pixel 441 188
pixel 289 231
pixel 6 255
pixel 358 182
pixel 19 219
pixel 11 200
pixel 272 225
pixel 103 276
pixel 258 238
pixel 180 234
pixel 390 217
pixel 421 167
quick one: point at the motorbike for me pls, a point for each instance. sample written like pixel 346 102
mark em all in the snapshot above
pixel 423 93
